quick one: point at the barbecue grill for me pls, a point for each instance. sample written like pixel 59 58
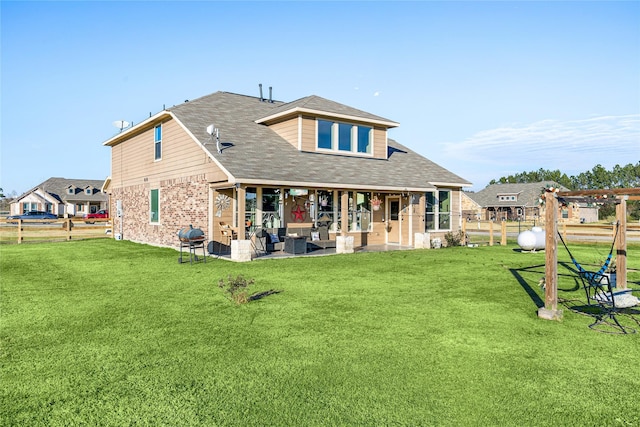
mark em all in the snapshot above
pixel 191 239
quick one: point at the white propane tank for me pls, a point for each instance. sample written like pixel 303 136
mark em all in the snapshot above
pixel 532 240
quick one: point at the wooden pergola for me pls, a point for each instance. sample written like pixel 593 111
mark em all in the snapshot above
pixel 620 195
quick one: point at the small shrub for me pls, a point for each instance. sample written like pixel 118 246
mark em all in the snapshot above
pixel 237 288
pixel 454 239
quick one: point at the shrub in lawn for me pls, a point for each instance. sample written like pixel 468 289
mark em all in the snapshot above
pixel 237 288
pixel 454 239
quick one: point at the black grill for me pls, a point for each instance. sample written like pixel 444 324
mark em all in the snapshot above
pixel 191 238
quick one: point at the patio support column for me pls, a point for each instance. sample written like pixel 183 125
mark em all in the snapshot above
pixel 241 195
pixel 344 212
pixel 550 310
pixel 621 244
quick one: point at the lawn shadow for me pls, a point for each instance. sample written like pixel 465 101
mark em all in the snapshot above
pixel 527 288
pixel 260 295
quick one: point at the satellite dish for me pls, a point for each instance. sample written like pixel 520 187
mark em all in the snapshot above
pixel 211 129
pixel 121 124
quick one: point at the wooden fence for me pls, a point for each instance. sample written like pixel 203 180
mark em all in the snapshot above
pixel 34 230
pixel 499 232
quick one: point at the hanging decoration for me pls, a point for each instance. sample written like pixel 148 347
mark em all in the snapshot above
pixel 222 202
pixel 298 213
pixel 375 203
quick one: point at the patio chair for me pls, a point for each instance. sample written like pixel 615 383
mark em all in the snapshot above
pixel 608 302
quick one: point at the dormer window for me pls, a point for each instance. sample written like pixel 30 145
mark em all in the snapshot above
pixel 346 137
pixel 71 190
pixel 88 191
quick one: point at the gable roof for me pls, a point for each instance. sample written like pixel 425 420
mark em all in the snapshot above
pixel 528 194
pixel 320 106
pixel 252 153
pixel 57 188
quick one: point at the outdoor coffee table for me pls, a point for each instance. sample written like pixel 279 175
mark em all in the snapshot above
pixel 295 244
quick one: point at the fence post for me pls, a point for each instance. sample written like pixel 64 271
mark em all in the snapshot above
pixel 20 231
pixel 68 225
pixel 490 232
pixel 503 238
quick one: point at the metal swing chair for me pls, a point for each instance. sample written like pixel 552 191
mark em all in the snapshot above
pixel 601 295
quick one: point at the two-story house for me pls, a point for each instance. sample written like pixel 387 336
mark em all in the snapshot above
pixel 228 161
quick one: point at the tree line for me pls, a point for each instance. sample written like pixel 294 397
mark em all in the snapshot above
pixel 597 178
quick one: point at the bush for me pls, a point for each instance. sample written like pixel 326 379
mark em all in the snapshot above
pixel 454 239
pixel 236 288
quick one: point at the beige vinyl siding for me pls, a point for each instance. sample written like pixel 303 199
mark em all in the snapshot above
pixel 288 130
pixel 308 134
pixel 132 162
pixel 379 143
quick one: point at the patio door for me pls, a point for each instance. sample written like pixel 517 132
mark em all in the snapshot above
pixel 393 220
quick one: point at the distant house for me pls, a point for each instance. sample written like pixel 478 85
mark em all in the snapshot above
pixel 522 201
pixel 229 164
pixel 63 197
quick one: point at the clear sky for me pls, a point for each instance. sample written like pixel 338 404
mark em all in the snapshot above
pixel 485 89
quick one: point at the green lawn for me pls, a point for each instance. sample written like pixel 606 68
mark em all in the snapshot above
pixel 105 332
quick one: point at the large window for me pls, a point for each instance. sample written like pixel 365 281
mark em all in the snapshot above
pixel 344 137
pixel 327 212
pixel 158 142
pixel 271 208
pixel 438 210
pixel 359 211
pixel 155 206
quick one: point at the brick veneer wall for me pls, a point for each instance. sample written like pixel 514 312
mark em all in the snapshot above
pixel 183 202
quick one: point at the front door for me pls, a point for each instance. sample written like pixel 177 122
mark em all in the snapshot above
pixel 393 220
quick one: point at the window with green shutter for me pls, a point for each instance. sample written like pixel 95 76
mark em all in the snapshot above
pixel 155 206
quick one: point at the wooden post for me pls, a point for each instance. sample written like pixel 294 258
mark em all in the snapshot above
pixel 20 231
pixel 550 310
pixel 490 232
pixel 344 213
pixel 503 233
pixel 621 244
pixel 241 195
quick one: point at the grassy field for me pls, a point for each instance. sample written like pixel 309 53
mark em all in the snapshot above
pixel 110 333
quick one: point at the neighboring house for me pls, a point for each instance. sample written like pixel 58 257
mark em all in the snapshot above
pixel 63 197
pixel 305 163
pixel 522 201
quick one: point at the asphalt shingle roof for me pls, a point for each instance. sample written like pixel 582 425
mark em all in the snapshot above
pixel 528 194
pixel 57 187
pixel 253 152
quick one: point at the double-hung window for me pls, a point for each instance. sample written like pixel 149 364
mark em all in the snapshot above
pixel 344 137
pixel 158 142
pixel 154 203
pixel 438 210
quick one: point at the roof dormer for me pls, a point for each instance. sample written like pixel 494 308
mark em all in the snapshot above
pixel 315 124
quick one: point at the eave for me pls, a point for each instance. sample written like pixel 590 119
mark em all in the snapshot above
pixel 301 110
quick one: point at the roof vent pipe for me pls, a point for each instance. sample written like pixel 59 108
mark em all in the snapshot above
pixel 261 98
pixel 270 99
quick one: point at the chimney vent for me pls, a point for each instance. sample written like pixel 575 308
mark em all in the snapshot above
pixel 261 98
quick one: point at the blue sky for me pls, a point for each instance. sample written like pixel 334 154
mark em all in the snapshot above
pixel 485 89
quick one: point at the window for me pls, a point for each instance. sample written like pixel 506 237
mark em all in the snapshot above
pixel 251 206
pixel 71 190
pixel 324 134
pixel 438 210
pixel 326 213
pixel 88 191
pixel 344 137
pixel 359 212
pixel 158 142
pixel 26 207
pixel 271 208
pixel 155 206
